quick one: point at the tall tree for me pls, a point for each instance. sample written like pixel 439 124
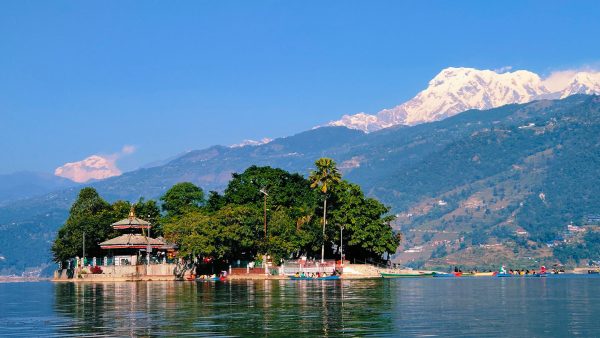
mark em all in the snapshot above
pixel 92 215
pixel 326 176
pixel 149 211
pixel 182 197
pixel 367 230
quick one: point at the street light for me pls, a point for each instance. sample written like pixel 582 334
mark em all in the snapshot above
pixel 264 192
pixel 342 245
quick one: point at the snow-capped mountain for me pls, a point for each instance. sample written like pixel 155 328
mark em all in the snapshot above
pixel 455 90
pixel 245 143
pixel 582 83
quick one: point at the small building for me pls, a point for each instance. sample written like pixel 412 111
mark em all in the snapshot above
pixel 135 245
pixel 574 228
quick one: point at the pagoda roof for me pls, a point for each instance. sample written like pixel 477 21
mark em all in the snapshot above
pixel 131 222
pixel 132 241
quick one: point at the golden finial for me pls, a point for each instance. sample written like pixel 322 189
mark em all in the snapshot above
pixel 132 212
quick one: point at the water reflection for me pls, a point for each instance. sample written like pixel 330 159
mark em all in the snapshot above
pixel 255 308
pixel 411 307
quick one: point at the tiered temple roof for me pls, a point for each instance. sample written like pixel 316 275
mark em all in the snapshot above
pixel 135 240
pixel 131 222
pixel 132 241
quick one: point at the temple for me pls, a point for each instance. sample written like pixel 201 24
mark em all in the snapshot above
pixel 135 246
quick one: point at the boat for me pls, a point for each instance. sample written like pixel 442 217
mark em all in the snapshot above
pixel 504 275
pixel 315 278
pixel 443 275
pixel 484 274
pixel 211 279
pixel 407 275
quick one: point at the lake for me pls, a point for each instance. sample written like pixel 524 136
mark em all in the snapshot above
pixel 563 306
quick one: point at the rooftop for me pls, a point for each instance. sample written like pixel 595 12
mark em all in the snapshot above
pixel 131 222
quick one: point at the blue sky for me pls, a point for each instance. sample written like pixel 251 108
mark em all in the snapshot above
pixel 79 78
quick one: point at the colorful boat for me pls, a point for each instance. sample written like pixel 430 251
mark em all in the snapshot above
pixel 315 278
pixel 484 274
pixel 407 275
pixel 211 279
pixel 504 275
pixel 443 275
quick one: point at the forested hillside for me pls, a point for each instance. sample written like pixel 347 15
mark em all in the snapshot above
pixel 468 183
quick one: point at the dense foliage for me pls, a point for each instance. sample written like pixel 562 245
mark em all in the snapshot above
pixel 91 215
pixel 231 226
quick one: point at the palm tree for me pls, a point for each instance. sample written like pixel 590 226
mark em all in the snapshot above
pixel 326 176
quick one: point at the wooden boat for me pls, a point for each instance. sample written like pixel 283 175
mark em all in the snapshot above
pixel 315 278
pixel 443 275
pixel 407 275
pixel 484 274
pixel 211 279
pixel 504 275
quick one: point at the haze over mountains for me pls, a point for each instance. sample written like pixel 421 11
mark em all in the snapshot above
pixel 455 90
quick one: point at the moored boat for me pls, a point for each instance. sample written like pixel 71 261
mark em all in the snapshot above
pixel 315 278
pixel 407 275
pixel 443 274
pixel 484 274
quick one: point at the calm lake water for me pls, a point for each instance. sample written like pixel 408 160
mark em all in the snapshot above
pixel 402 307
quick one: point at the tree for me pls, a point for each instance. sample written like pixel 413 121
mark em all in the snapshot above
pixel 149 211
pixel 231 232
pixel 182 197
pixel 214 202
pixel 285 189
pixel 326 176
pixel 367 230
pixel 92 215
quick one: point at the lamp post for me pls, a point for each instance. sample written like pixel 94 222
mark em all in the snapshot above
pixel 83 250
pixel 342 245
pixel 264 192
pixel 149 246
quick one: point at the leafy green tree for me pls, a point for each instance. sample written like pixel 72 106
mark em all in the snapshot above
pixel 241 233
pixel 92 215
pixel 284 189
pixel 231 232
pixel 326 176
pixel 181 198
pixel 150 212
pixel 214 202
pixel 367 230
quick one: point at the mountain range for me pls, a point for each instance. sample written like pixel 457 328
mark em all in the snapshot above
pixel 455 90
pixel 454 175
pixel 476 177
pixel 27 184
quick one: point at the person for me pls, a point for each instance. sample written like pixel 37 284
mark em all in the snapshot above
pixel 303 275
pixel 297 274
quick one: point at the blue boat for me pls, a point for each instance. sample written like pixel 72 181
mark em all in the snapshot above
pixel 443 275
pixel 316 278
